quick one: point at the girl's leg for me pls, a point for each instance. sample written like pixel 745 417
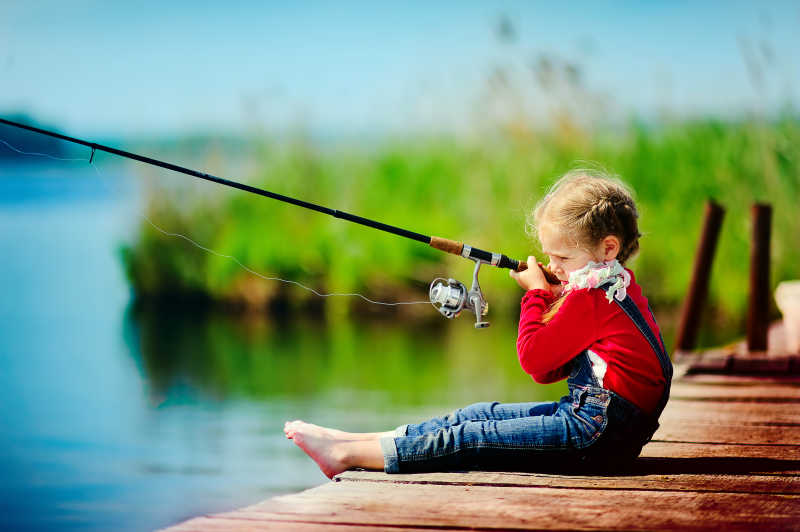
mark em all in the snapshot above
pixel 516 442
pixel 434 444
pixel 474 412
pixel 481 412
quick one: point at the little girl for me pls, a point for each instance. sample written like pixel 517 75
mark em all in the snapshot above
pixel 595 329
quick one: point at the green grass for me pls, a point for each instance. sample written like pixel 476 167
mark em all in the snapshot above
pixel 478 191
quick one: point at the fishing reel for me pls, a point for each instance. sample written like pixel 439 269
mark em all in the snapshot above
pixel 452 297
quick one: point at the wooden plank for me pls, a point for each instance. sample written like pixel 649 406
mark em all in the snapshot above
pixel 662 481
pixel 745 434
pixel 754 392
pixel 768 454
pixel 729 420
pixel 481 507
pixel 766 410
pixel 740 380
pixel 716 413
pixel 739 364
pixel 225 524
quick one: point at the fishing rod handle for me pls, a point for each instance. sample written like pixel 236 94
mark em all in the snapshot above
pixel 447 245
pixel 495 259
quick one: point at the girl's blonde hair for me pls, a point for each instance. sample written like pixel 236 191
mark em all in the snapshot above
pixel 588 205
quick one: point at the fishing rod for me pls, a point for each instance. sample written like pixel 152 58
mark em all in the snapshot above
pixel 450 295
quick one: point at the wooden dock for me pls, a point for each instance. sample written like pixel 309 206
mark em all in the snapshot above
pixel 727 457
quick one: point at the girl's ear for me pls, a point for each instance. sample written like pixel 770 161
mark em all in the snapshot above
pixel 610 247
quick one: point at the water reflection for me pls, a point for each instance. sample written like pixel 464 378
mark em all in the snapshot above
pixel 217 356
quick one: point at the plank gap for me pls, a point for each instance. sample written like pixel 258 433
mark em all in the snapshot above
pixel 728 443
pixel 418 526
pixel 551 486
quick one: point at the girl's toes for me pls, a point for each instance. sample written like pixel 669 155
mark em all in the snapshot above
pixel 290 428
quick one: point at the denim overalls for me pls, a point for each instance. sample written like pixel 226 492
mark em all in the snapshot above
pixel 592 427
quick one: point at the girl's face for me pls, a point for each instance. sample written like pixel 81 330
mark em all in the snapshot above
pixel 565 254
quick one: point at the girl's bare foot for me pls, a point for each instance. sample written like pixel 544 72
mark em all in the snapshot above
pixel 335 451
pixel 330 454
pixel 291 427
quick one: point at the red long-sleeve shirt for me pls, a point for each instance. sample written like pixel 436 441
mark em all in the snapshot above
pixel 586 320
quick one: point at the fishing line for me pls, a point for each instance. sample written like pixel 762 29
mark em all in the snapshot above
pixel 450 295
pixel 41 154
pixel 217 253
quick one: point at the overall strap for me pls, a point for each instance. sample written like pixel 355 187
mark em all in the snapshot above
pixel 630 308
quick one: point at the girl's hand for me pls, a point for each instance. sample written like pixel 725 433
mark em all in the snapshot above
pixel 533 278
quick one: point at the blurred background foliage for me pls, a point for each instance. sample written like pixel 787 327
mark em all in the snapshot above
pixel 478 190
pixel 534 118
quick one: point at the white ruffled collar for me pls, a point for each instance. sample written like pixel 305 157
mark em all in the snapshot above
pixel 599 275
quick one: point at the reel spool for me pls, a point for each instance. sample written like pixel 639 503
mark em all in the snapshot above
pixel 449 294
pixel 452 297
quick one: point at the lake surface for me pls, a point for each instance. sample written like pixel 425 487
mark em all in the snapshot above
pixel 124 419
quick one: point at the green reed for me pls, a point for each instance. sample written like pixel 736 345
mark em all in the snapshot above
pixel 477 190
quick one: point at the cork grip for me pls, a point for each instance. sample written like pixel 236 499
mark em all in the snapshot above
pixel 444 244
pixel 550 276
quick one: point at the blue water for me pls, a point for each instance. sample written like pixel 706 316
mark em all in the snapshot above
pixel 123 419
pixel 83 445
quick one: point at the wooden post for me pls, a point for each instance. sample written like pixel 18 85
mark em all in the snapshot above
pixel 698 289
pixel 758 310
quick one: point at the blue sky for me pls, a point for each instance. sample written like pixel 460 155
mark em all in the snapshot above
pixel 161 67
